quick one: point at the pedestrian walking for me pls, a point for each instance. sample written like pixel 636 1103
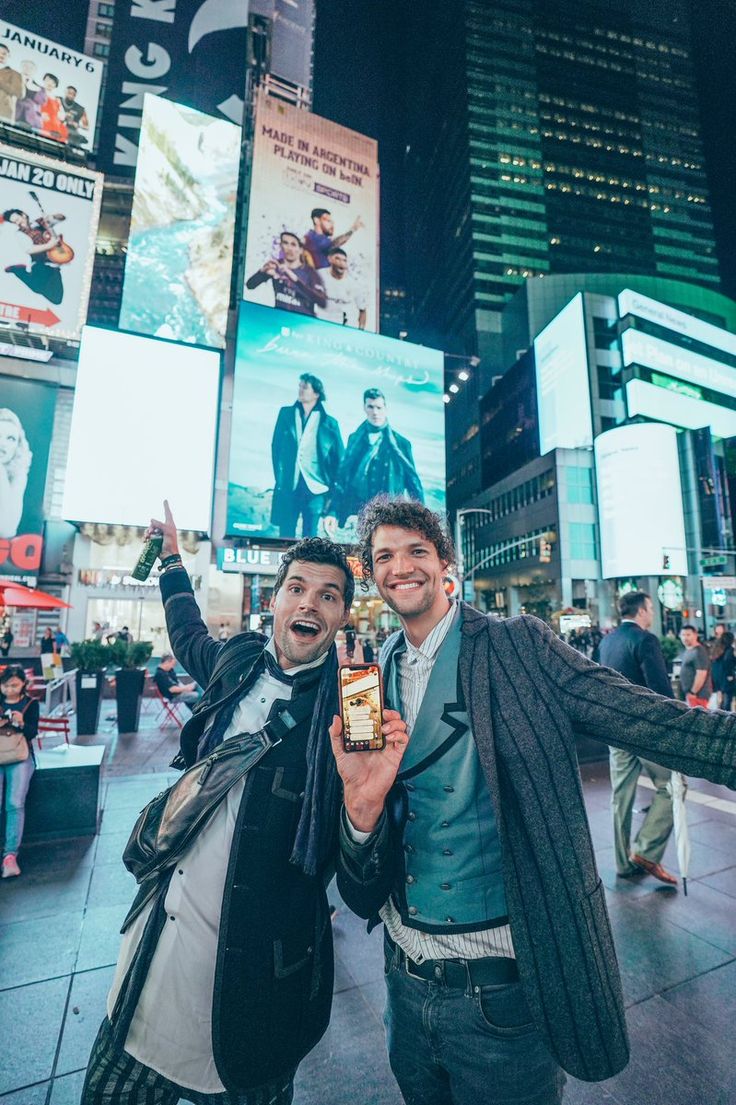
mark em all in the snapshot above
pixel 470 842
pixel 635 652
pixel 723 669
pixel 695 680
pixel 18 729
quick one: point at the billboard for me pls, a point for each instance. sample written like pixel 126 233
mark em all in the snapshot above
pixel 639 464
pixel 673 360
pixel 311 448
pixel 48 224
pixel 292 32
pixel 633 303
pixel 191 51
pixel 47 88
pixel 26 426
pixel 180 249
pixel 314 188
pixel 163 400
pixel 563 391
pixel 680 404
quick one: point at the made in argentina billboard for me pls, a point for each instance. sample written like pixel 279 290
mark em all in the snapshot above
pixel 313 217
pixel 48 89
pixel 49 212
pixel 180 249
pixel 345 416
pixel 26 425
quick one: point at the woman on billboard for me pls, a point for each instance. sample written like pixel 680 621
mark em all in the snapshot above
pixel 15 464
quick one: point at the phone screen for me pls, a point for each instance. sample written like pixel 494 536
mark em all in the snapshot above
pixel 360 696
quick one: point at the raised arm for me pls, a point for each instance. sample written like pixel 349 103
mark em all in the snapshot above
pixel 603 704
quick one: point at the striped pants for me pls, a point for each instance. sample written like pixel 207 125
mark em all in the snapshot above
pixel 116 1078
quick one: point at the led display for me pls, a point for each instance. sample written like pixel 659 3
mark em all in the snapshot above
pixel 563 394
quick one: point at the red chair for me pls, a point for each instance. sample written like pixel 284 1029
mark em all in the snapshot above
pixel 170 707
pixel 49 725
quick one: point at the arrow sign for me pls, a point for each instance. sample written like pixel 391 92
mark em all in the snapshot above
pixel 14 312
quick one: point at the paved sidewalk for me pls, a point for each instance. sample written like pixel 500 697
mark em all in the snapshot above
pixel 59 936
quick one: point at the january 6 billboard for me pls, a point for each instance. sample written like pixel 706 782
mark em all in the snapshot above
pixel 180 249
pixel 49 212
pixel 313 218
pixel 345 416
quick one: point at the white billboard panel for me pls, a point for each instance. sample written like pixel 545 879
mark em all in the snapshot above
pixel 686 411
pixel 633 303
pixel 314 189
pixel 47 88
pixel 563 390
pixel 663 356
pixel 49 213
pixel 162 399
pixel 640 501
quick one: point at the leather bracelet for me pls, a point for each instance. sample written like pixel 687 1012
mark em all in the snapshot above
pixel 167 561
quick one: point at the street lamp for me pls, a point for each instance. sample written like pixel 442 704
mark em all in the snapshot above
pixel 459 559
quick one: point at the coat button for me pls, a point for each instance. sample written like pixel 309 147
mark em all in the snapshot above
pixel 411 816
pixel 410 879
pixel 446 886
pixel 409 786
pixel 450 920
pixel 444 824
pixel 409 849
pixel 449 790
pixel 447 851
pixel 412 911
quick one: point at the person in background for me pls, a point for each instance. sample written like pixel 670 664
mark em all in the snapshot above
pixel 48 653
pixel 20 712
pixel 369 653
pixel 224 632
pixel 75 117
pixel 11 86
pixel 635 651
pixel 723 669
pixel 695 681
pixel 168 683
pixel 349 642
pixel 6 640
pixel 124 635
pixel 53 118
pixel 61 641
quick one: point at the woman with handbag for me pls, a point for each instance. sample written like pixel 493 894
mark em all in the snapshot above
pixel 18 727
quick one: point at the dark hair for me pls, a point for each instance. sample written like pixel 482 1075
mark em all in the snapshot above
pixel 722 645
pixel 631 603
pixel 318 212
pixel 316 550
pixel 336 249
pixel 684 627
pixel 12 210
pixel 73 88
pixel 166 656
pixel 373 393
pixel 289 234
pixel 53 78
pixel 13 671
pixel 315 384
pixel 385 511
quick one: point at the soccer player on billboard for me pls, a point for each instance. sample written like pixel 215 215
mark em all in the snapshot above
pixel 296 286
pixel 320 239
pixel 346 301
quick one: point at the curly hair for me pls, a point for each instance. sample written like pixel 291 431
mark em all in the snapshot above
pixel 407 514
pixel 316 550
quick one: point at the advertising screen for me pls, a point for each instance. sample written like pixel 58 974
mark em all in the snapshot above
pixel 49 213
pixel 292 23
pixel 180 251
pixel 314 190
pixel 663 356
pixel 345 416
pixel 687 411
pixel 633 303
pixel 563 393
pixel 26 425
pixel 639 464
pixel 191 51
pixel 47 88
pixel 159 439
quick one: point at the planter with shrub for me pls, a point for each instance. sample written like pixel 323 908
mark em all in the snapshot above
pixel 90 658
pixel 129 658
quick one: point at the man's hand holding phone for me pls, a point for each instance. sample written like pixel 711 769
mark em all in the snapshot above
pixel 368 776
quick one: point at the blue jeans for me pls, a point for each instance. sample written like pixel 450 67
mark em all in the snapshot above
pixel 15 780
pixel 449 1046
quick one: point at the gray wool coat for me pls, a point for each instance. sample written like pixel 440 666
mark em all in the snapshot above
pixel 528 695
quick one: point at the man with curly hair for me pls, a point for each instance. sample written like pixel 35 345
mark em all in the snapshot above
pixel 471 843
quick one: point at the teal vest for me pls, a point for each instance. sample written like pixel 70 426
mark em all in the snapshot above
pixel 452 879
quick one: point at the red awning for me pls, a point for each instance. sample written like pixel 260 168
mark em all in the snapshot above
pixel 15 594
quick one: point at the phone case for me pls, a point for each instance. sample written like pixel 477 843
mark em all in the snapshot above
pixel 362 715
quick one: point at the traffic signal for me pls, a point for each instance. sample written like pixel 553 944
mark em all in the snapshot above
pixel 545 551
pixel 665 562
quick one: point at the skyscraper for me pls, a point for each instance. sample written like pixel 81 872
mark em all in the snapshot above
pixel 544 136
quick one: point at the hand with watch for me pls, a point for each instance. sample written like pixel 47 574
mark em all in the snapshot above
pixel 169 557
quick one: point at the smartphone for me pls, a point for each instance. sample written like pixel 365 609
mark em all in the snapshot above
pixel 361 707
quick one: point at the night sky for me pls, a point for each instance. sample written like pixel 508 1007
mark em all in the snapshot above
pixel 358 66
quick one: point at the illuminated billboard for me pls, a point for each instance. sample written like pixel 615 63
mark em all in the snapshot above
pixel 673 360
pixel 642 526
pixel 180 250
pixel 313 232
pixel 162 399
pixel 668 402
pixel 49 212
pixel 26 426
pixel 47 88
pixel 633 303
pixel 563 392
pixel 345 416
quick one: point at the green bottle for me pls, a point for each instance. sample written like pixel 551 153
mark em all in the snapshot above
pixel 149 556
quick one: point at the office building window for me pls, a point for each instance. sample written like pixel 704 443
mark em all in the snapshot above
pixel 580 485
pixel 582 541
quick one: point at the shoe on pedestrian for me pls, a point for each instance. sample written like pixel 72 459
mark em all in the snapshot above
pixel 655 869
pixel 629 873
pixel 10 866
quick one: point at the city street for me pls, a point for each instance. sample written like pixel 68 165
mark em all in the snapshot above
pixel 59 936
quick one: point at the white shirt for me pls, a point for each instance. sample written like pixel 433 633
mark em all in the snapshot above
pixel 345 299
pixel 414 667
pixel 307 454
pixel 171 1030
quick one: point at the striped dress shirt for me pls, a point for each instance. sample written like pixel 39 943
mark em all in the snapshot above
pixel 414 667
